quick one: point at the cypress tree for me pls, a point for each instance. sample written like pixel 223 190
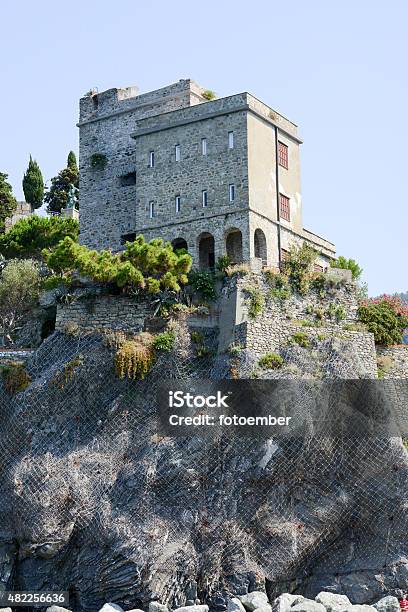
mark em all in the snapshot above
pixel 8 202
pixel 72 161
pixel 33 184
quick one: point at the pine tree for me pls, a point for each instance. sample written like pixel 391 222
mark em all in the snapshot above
pixel 8 202
pixel 57 195
pixel 72 161
pixel 33 184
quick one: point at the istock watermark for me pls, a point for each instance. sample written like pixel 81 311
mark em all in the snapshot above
pixel 270 408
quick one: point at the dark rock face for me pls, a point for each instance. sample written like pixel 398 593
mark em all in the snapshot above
pixel 95 502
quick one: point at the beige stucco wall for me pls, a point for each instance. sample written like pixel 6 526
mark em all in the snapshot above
pixel 262 172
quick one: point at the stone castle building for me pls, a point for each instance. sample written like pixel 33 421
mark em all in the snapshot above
pixel 215 176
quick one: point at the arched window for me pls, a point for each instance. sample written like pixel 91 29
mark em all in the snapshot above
pixel 179 244
pixel 233 245
pixel 260 246
pixel 206 250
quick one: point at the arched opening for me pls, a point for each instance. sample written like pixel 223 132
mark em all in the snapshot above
pixel 179 244
pixel 233 245
pixel 206 251
pixel 260 246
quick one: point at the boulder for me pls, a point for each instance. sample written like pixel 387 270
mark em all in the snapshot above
pixel 7 610
pixel 362 608
pixel 202 608
pixel 284 602
pixel 265 608
pixel 111 607
pixel 55 609
pixel 156 606
pixel 387 604
pixel 333 602
pixel 309 605
pixel 234 605
pixel 255 599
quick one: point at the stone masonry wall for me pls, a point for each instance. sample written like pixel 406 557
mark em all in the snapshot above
pixel 393 361
pixel 107 203
pixel 188 177
pixel 105 311
pixel 279 320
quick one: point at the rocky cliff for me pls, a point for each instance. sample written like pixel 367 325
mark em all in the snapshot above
pixel 95 501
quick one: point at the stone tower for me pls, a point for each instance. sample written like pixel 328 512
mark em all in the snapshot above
pixel 201 173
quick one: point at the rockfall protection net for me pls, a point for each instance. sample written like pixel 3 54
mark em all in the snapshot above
pixel 97 501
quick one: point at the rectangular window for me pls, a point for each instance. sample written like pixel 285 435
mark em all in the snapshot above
pixel 204 196
pixel 284 207
pixel 128 179
pixel 230 140
pixel 178 203
pixel 151 159
pixel 152 211
pixel 285 255
pixel 204 146
pixel 131 237
pixel 177 152
pixel 283 154
pixel 231 192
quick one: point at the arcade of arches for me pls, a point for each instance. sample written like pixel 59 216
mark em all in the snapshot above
pixel 232 247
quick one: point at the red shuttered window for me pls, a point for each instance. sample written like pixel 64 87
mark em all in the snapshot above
pixel 284 207
pixel 283 155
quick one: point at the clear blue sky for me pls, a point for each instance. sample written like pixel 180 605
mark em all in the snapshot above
pixel 338 69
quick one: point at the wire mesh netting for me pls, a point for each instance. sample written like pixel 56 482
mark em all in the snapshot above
pixel 96 500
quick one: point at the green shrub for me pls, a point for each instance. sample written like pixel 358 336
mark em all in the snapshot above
pixel 318 282
pixel 271 275
pixel 19 292
pixel 28 237
pixel 164 341
pixel 15 378
pixel 239 270
pixel 54 281
pixel 66 375
pixel 319 314
pixel 235 349
pixel 336 312
pixel 223 263
pixel 271 361
pixel 384 365
pixel 256 301
pixel 280 285
pixel 301 338
pixel 281 294
pixel 203 282
pixel 209 94
pixel 204 351
pixel 348 264
pixel 358 327
pixel 151 266
pixel 134 358
pixel 197 337
pixel 306 323
pixel 98 161
pixel 384 322
pixel 298 267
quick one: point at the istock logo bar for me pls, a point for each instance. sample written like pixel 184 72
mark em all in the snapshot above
pixel 270 408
